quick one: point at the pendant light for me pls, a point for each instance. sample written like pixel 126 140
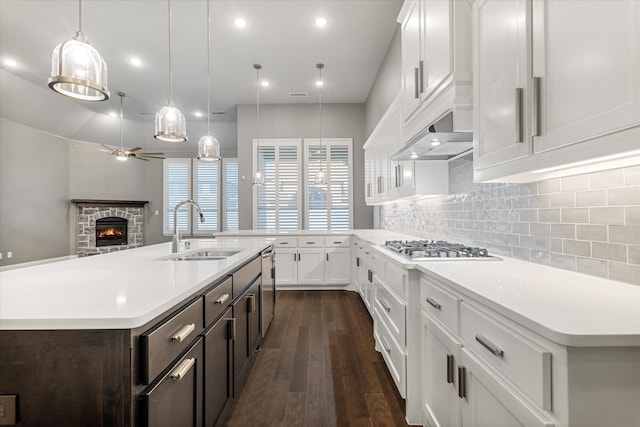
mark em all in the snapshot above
pixel 121 154
pixel 321 176
pixel 78 70
pixel 170 124
pixel 258 178
pixel 208 146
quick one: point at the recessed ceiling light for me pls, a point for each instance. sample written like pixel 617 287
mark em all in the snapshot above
pixel 10 62
pixel 264 83
pixel 198 114
pixel 319 83
pixel 321 22
pixel 435 142
pixel 136 62
pixel 240 23
pixel 414 155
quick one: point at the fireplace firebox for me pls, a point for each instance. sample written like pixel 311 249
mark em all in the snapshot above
pixel 111 231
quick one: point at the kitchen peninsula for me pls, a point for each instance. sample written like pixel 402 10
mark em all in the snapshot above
pixel 82 340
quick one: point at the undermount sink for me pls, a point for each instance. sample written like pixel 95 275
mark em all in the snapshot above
pixel 201 255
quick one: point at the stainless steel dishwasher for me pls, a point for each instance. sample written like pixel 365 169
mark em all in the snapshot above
pixel 268 300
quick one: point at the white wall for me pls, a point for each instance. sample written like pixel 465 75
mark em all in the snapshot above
pixel 301 121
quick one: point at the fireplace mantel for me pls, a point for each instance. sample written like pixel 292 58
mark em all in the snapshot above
pixel 111 203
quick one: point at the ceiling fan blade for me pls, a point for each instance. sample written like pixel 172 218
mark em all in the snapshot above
pixel 108 148
pixel 151 157
pixel 145 153
pixel 131 150
pixel 140 158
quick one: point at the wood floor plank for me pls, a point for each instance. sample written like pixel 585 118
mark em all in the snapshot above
pixel 318 367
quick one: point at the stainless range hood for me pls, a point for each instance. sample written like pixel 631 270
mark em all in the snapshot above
pixel 437 142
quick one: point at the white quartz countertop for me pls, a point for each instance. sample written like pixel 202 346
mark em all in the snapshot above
pixel 374 236
pixel 568 308
pixel 119 290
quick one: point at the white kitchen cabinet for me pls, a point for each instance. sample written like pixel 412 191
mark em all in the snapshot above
pixel 440 356
pixel 311 266
pixel 337 267
pixel 286 261
pixel 554 93
pixel 436 64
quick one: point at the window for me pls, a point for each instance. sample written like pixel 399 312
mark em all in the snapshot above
pixel 288 187
pixel 191 179
pixel 230 194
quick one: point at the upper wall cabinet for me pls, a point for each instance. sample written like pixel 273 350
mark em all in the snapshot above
pixel 557 87
pixel 436 64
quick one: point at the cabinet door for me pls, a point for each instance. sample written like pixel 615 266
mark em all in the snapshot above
pixel 218 351
pixel 440 355
pixel 175 398
pixel 501 70
pixel 587 69
pixel 254 316
pixel 240 342
pixel 437 45
pixel 311 266
pixel 286 266
pixel 411 31
pixel 487 401
pixel 337 268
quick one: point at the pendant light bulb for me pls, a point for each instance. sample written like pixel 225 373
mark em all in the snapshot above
pixel 170 124
pixel 78 70
pixel 321 176
pixel 258 177
pixel 208 146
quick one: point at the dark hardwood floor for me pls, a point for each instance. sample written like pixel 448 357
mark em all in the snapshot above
pixel 318 367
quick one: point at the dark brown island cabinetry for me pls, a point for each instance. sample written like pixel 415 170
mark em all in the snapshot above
pixel 180 369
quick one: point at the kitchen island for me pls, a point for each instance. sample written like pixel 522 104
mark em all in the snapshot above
pixel 95 340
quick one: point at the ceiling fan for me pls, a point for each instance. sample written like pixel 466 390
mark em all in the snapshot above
pixel 124 153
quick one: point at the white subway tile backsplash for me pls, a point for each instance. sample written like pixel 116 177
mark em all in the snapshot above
pixel 613 215
pixel 587 223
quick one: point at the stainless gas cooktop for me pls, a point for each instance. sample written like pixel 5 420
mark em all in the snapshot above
pixel 437 250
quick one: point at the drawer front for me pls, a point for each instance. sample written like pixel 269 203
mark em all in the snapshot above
pixel 246 275
pixel 525 364
pixel 396 278
pixel 440 304
pixel 394 356
pixel 337 241
pixel 392 311
pixel 311 242
pixel 286 242
pixel 217 300
pixel 161 344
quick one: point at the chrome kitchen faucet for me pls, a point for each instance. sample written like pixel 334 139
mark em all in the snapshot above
pixel 175 243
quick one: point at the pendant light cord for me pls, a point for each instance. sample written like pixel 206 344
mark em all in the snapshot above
pixel 257 67
pixel 170 72
pixel 80 18
pixel 121 117
pixel 208 69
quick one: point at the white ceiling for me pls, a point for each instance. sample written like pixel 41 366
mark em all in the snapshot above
pixel 280 35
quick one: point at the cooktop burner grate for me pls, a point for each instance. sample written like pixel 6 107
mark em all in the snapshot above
pixel 422 250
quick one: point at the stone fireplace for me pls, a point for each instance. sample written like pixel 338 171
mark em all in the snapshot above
pixel 108 225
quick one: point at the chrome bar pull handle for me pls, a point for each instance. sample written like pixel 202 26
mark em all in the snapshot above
pixel 537 106
pixel 183 333
pixel 357 261
pixel 327 256
pixel 493 349
pixel 222 299
pixel 182 369
pixel 435 304
pixel 421 73
pixel 519 114
pixel 450 363
pixel 416 93
pixel 384 345
pixel 252 302
pixel 462 382
pixel 384 305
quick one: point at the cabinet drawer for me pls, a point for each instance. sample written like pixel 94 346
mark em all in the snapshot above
pixel 392 311
pixel 440 304
pixel 217 299
pixel 311 242
pixel 337 241
pixel 395 277
pixel 162 343
pixel 524 363
pixel 286 242
pixel 394 356
pixel 246 275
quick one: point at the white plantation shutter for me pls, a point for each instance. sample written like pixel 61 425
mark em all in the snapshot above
pixel 277 201
pixel 206 192
pixel 330 206
pixel 177 187
pixel 230 194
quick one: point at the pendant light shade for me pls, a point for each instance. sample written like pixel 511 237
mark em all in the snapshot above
pixel 321 176
pixel 78 70
pixel 170 124
pixel 258 178
pixel 208 146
